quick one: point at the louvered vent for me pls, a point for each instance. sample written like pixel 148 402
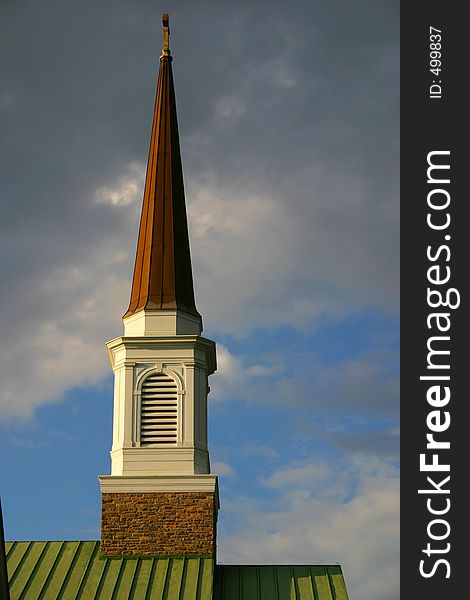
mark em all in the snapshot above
pixel 159 410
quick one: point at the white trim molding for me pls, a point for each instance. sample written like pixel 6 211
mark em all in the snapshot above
pixel 110 484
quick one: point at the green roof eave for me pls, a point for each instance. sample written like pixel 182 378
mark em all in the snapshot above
pixel 279 582
pixel 73 570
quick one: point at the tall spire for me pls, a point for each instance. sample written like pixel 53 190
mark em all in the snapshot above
pixel 160 455
pixel 162 273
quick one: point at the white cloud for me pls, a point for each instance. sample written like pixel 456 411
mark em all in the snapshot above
pixel 287 257
pixel 259 450
pixel 344 394
pixel 315 477
pixel 300 526
pixel 229 107
pixel 236 377
pixel 126 190
pixel 222 468
pixel 281 71
pixel 361 384
pixel 61 344
pixel 299 221
pixel 229 366
pixel 270 248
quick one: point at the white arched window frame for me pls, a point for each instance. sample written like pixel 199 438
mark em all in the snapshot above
pixel 180 391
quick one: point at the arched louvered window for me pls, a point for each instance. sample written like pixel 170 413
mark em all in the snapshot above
pixel 159 410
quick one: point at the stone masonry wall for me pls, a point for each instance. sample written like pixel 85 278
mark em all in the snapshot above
pixel 158 523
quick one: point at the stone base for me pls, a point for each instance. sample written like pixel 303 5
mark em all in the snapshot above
pixel 171 523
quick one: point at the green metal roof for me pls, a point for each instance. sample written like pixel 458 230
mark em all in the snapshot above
pixel 279 582
pixel 73 570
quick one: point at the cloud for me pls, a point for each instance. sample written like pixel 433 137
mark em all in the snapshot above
pixel 60 342
pixel 316 477
pixel 362 387
pixel 291 191
pixel 236 375
pixel 287 257
pixel 224 469
pixel 229 107
pixel 23 442
pixel 127 189
pixel 363 384
pixel 372 440
pixel 263 451
pixel 318 515
pixel 229 366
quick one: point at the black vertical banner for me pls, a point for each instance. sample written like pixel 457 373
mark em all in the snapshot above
pixel 434 300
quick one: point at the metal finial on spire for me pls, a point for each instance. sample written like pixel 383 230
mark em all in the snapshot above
pixel 166 35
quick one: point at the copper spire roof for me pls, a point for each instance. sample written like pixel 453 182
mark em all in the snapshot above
pixel 162 273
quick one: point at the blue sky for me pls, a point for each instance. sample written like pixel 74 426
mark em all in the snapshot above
pixel 288 118
pixel 252 434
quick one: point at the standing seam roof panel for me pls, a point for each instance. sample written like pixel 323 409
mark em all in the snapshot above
pixel 279 582
pixel 76 570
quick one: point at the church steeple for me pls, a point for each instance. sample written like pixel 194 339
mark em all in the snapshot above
pixel 162 273
pixel 161 497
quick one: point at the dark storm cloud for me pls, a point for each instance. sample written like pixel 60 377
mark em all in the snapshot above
pixel 288 120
